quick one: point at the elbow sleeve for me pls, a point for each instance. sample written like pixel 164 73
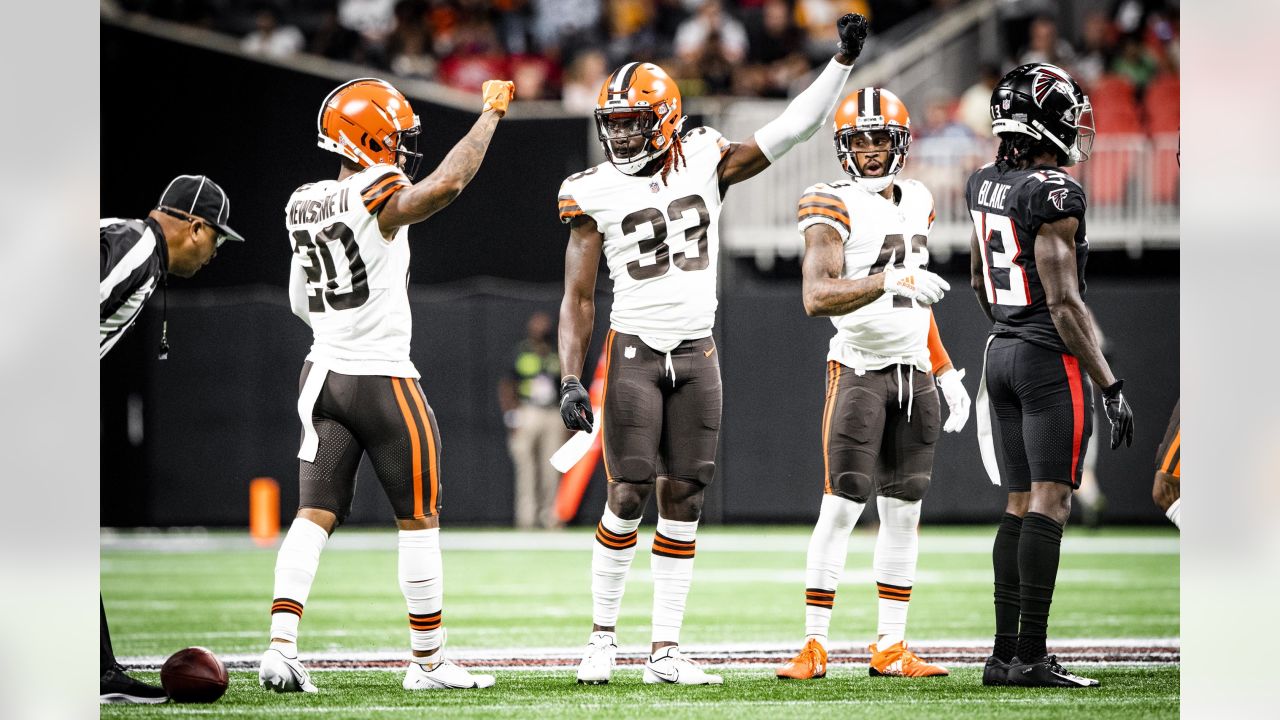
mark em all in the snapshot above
pixel 805 114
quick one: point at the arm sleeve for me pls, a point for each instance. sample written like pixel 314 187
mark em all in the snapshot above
pixel 818 206
pixel 805 114
pixel 938 357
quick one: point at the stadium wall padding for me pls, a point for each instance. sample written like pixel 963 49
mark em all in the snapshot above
pixel 221 410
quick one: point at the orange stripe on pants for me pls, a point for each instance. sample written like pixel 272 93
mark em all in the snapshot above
pixel 413 444
pixel 1167 466
pixel 432 462
pixel 833 387
pixel 604 396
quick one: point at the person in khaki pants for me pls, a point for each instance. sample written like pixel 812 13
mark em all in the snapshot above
pixel 531 410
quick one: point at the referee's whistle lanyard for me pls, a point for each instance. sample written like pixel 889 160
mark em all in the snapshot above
pixel 164 315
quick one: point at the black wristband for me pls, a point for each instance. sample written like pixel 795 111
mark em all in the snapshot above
pixel 1113 389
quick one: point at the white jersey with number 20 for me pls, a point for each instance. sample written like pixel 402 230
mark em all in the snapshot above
pixel 347 279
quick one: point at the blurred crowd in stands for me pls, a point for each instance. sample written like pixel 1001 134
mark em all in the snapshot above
pixel 1125 52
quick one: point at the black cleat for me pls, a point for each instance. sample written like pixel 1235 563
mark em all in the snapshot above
pixel 996 672
pixel 116 687
pixel 1046 673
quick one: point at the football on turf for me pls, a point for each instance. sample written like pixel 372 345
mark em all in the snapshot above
pixel 194 675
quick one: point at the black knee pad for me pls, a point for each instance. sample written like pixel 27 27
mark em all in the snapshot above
pixel 852 486
pixel 705 473
pixel 911 488
pixel 635 470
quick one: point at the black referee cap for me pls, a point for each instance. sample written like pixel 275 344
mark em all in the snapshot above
pixel 199 196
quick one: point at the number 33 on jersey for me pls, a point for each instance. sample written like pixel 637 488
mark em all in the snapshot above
pixel 347 280
pixel 661 240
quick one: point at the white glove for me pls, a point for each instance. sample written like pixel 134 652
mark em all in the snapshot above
pixel 916 284
pixel 957 400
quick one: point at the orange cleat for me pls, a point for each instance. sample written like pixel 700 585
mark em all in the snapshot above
pixel 897 661
pixel 809 664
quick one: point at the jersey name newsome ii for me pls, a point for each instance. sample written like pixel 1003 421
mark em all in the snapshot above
pixel 660 241
pixel 353 278
pixel 876 231
pixel 1008 209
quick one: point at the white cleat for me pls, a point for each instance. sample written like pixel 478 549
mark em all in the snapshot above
pixel 284 674
pixel 597 663
pixel 444 676
pixel 668 665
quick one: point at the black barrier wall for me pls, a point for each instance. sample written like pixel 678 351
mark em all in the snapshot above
pixel 221 410
pixel 181 439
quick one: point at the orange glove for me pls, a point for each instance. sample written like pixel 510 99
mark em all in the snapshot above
pixel 497 95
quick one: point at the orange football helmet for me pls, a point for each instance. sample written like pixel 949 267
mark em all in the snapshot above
pixel 638 100
pixel 369 122
pixel 872 110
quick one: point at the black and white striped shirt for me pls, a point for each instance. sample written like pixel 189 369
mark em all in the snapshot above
pixel 134 261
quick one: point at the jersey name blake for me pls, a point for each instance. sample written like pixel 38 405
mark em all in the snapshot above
pixel 993 194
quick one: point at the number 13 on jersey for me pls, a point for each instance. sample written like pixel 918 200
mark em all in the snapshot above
pixel 1006 278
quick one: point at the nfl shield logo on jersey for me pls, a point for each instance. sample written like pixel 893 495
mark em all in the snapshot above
pixel 630 352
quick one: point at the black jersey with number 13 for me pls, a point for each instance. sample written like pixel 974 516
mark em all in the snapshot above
pixel 1008 208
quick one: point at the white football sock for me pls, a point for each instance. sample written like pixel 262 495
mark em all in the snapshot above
pixel 897 549
pixel 672 567
pixel 422 583
pixel 1173 513
pixel 296 564
pixel 828 548
pixel 611 557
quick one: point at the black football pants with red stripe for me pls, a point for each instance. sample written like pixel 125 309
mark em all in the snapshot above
pixel 1043 402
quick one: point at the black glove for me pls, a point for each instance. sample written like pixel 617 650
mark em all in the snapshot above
pixel 1120 415
pixel 575 405
pixel 852 29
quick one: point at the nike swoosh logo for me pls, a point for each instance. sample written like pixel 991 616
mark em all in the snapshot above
pixel 669 678
pixel 707 353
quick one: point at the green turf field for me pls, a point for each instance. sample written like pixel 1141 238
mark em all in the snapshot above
pixel 508 593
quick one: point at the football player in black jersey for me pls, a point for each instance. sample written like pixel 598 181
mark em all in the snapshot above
pixel 1027 268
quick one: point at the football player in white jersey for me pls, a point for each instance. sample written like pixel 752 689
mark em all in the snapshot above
pixel 652 209
pixel 359 389
pixel 864 267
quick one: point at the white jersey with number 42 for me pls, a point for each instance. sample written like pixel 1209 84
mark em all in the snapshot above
pixel 661 241
pixel 876 231
pixel 357 298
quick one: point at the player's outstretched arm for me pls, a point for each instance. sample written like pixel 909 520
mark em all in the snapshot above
pixel 977 276
pixel 803 116
pixel 434 192
pixel 577 317
pixel 1056 261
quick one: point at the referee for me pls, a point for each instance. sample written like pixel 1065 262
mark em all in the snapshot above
pixel 180 236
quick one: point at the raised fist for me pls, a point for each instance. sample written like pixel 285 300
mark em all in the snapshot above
pixel 498 95
pixel 852 29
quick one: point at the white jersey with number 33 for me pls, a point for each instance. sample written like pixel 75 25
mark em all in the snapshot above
pixel 660 241
pixel 876 231
pixel 354 279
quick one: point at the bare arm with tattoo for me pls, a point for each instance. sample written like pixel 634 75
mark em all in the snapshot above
pixel 825 292
pixel 578 309
pixel 434 192
pixel 1056 261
